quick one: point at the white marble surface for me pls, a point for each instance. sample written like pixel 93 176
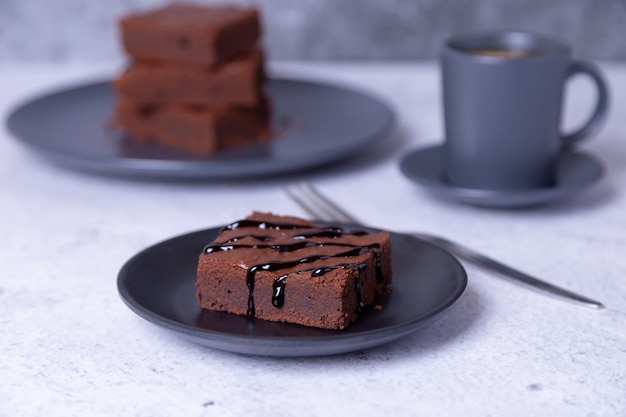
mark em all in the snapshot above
pixel 69 346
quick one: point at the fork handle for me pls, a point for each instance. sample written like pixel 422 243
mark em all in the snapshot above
pixel 486 262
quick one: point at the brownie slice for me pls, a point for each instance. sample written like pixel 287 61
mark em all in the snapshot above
pixel 193 129
pixel 287 269
pixel 236 83
pixel 191 33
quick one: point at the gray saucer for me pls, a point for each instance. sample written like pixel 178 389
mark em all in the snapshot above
pixel 576 172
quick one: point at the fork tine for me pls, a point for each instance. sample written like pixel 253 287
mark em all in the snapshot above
pixel 340 214
pixel 294 194
pixel 316 204
pixel 302 197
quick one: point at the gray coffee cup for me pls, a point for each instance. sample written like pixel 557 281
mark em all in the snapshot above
pixel 503 95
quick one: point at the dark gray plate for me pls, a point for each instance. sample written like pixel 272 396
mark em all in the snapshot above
pixel 158 285
pixel 317 124
pixel 576 172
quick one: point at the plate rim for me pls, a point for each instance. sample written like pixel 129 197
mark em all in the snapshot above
pixel 198 168
pixel 384 334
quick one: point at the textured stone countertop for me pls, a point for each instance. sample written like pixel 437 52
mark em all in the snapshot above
pixel 70 346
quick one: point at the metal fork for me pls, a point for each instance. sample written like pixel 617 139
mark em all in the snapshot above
pixel 321 208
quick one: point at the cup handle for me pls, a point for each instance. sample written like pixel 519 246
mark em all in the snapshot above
pixel 602 105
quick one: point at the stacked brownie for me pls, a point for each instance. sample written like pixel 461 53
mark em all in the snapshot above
pixel 195 79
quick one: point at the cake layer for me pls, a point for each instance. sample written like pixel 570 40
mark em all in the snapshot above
pixel 291 270
pixel 196 130
pixel 191 33
pixel 236 83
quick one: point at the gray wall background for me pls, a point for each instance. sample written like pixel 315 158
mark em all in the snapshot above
pixel 60 30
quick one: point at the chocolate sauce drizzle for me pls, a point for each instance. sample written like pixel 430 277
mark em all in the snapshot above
pixel 261 224
pixel 278 293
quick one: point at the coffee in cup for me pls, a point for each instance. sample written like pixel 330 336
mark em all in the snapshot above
pixel 502 53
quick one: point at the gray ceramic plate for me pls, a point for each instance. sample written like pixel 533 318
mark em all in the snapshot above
pixel 576 172
pixel 318 124
pixel 158 285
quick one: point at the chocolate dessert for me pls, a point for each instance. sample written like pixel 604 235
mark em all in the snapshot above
pixel 192 130
pixel 195 81
pixel 287 269
pixel 235 83
pixel 191 33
